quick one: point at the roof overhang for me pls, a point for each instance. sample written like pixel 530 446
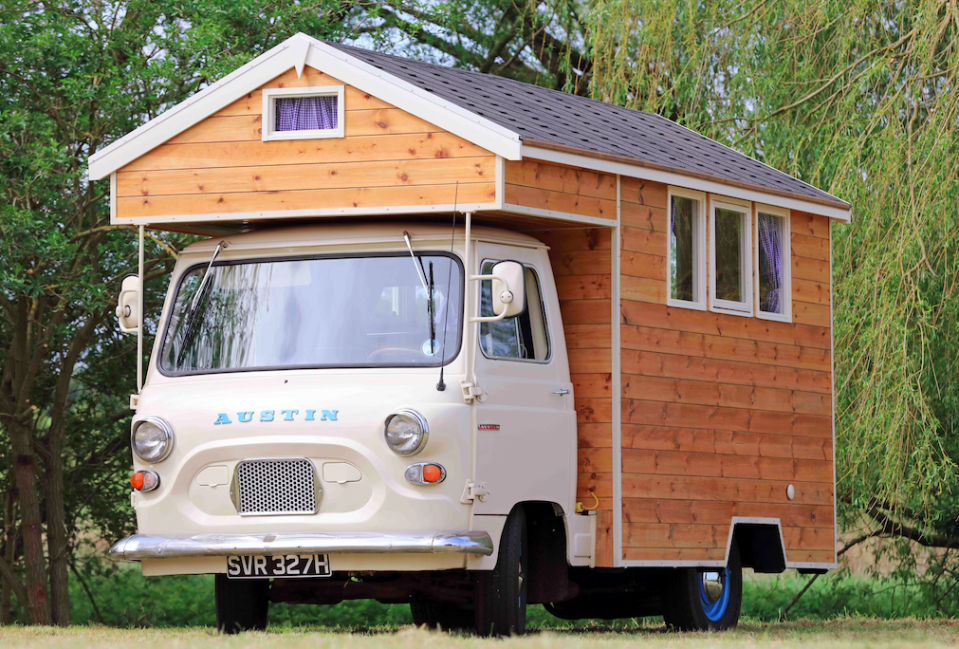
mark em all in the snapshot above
pixel 838 210
pixel 295 52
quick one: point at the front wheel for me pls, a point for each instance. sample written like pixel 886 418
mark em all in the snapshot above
pixel 241 605
pixel 501 593
pixel 709 599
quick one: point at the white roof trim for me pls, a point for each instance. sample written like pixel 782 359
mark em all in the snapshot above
pixel 689 182
pixel 294 53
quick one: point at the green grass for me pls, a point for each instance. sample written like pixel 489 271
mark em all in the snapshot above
pixel 127 599
pixel 839 634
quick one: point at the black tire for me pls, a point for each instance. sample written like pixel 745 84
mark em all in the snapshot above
pixel 501 593
pixel 241 605
pixel 688 607
pixel 445 616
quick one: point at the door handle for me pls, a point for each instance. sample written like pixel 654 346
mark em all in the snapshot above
pixel 561 391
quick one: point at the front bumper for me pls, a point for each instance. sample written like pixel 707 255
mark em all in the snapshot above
pixel 145 546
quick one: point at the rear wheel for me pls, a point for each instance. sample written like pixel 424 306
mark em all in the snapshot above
pixel 501 593
pixel 241 605
pixel 441 615
pixel 705 600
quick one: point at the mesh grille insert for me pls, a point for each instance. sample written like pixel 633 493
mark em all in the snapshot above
pixel 276 487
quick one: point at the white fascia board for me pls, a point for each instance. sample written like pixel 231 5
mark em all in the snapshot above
pixel 679 180
pixel 419 102
pixel 190 111
pixel 290 54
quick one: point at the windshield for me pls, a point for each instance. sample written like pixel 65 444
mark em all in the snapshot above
pixel 323 312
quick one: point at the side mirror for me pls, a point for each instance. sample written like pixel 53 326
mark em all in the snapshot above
pixel 509 289
pixel 128 304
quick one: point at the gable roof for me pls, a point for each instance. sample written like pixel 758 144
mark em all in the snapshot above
pixel 544 116
pixel 504 116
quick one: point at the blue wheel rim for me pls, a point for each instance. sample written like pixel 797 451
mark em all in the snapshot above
pixel 714 606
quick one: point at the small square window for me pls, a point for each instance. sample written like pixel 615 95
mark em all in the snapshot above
pixel 773 276
pixel 302 113
pixel 730 269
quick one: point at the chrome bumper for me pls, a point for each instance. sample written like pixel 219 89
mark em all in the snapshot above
pixel 145 546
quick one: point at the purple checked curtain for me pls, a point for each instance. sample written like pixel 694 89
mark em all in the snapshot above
pixel 771 263
pixel 306 113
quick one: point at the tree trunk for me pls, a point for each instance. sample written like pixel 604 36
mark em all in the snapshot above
pixel 35 573
pixel 57 540
pixel 10 540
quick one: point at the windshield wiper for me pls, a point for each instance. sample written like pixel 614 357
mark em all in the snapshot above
pixel 429 311
pixel 421 273
pixel 190 331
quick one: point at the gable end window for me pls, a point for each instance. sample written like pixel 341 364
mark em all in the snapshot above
pixel 773 277
pixel 730 267
pixel 302 113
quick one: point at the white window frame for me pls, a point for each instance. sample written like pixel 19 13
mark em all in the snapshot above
pixel 699 249
pixel 787 314
pixel 269 113
pixel 744 308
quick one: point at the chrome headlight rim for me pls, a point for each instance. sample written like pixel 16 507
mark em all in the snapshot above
pixel 168 436
pixel 420 421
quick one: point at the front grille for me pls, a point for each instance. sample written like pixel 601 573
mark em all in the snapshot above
pixel 267 487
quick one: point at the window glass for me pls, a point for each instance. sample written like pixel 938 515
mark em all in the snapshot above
pixel 325 312
pixel 772 271
pixel 522 337
pixel 683 251
pixel 306 113
pixel 729 245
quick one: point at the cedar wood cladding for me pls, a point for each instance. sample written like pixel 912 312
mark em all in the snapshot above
pixel 719 412
pixel 388 158
pixel 722 412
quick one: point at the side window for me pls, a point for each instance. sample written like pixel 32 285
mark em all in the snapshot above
pixel 686 272
pixel 730 271
pixel 522 337
pixel 773 285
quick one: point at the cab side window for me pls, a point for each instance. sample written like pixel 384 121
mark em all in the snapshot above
pixel 522 337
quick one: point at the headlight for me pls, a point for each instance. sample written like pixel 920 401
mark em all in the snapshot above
pixel 152 439
pixel 406 432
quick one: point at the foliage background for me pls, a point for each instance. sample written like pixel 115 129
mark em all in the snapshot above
pixel 858 98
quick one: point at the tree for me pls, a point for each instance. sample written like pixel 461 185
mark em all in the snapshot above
pixel 75 76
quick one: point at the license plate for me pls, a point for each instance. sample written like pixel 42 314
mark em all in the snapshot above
pixel 282 565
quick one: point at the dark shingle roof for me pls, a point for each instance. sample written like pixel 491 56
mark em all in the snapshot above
pixel 557 118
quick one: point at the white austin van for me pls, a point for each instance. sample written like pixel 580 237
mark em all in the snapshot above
pixel 436 350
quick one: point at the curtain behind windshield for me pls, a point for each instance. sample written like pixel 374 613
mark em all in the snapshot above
pixel 347 312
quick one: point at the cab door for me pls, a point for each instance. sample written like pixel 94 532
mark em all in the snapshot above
pixel 526 421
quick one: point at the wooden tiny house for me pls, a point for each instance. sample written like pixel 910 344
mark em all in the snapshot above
pixel 694 282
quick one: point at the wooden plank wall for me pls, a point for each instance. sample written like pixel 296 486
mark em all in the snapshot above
pixel 388 158
pixel 559 188
pixel 582 265
pixel 720 413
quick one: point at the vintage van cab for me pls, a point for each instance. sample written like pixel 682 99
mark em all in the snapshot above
pixel 468 344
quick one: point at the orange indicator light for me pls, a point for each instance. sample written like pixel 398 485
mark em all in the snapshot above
pixel 144 481
pixel 432 473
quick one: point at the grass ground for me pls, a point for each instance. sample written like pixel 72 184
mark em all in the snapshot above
pixel 847 633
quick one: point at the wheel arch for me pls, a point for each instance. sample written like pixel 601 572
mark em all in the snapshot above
pixel 547 541
pixel 760 542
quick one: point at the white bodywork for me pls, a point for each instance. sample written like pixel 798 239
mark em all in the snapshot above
pixel 530 457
